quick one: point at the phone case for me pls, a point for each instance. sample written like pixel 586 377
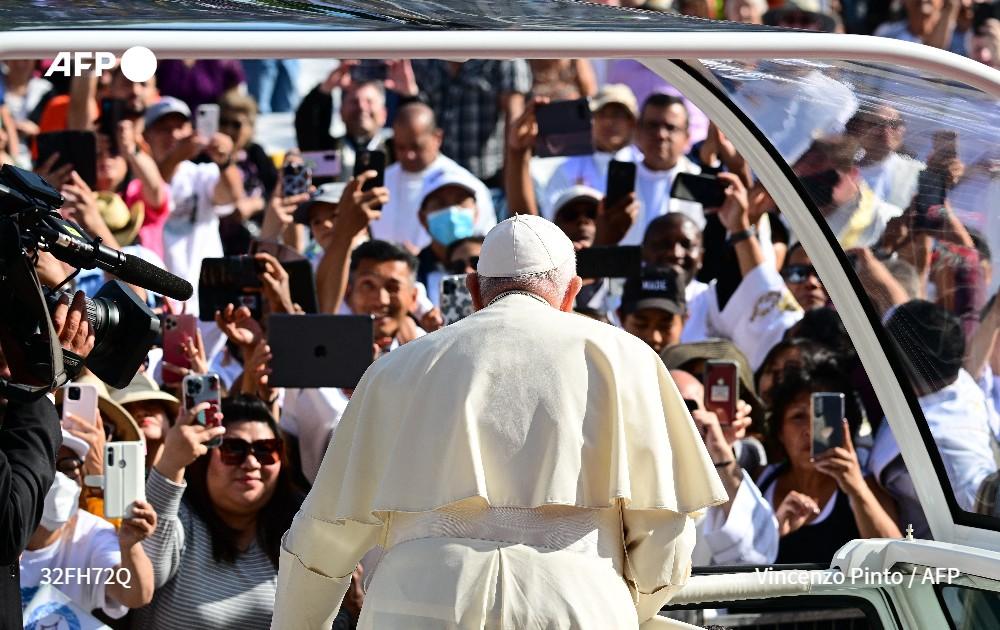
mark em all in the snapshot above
pixel 722 389
pixel 371 161
pixel 325 165
pixel 124 477
pixel 621 181
pixel 295 179
pixel 827 421
pixel 564 128
pixel 703 189
pixel 84 405
pixel 175 329
pixel 455 299
pixel 207 120
pixel 199 388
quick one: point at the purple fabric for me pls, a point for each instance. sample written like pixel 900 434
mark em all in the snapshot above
pixel 644 82
pixel 204 82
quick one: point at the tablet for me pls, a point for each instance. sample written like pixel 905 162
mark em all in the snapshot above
pixel 319 350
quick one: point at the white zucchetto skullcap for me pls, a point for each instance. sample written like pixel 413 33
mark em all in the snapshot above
pixel 523 245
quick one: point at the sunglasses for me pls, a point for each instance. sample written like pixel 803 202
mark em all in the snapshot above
pixel 692 405
pixel 797 274
pixel 234 451
pixel 459 266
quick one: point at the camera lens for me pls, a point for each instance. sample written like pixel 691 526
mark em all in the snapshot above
pixel 74 393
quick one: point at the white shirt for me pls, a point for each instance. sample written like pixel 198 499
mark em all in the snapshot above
pixel 92 545
pixel 653 191
pixel 748 535
pixel 698 299
pixel 757 314
pixel 191 233
pixel 958 417
pixel 894 179
pixel 312 415
pixel 400 221
pixel 582 170
pixel 877 214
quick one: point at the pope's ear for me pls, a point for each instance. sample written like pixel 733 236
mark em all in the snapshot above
pixel 472 284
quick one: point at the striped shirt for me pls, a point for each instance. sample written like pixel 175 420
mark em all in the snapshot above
pixel 193 591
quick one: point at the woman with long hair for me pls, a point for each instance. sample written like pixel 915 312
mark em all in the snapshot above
pixel 223 510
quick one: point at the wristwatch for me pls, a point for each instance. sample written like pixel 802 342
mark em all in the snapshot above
pixel 742 235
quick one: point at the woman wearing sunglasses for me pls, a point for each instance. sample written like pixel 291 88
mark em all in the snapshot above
pixel 222 512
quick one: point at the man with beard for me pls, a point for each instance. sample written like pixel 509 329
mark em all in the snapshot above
pixel 829 171
pixel 891 175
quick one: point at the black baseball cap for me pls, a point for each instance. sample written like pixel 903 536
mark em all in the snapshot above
pixel 657 287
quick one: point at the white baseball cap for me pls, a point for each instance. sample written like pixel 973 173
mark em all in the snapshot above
pixel 523 245
pixel 75 444
pixel 447 176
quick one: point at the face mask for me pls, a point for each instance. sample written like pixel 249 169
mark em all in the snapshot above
pixel 451 224
pixel 61 502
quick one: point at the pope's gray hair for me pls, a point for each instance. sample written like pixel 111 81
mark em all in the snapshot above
pixel 551 285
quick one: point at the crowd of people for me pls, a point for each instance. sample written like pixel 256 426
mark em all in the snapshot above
pixel 731 282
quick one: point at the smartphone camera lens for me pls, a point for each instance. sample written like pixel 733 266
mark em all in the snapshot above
pixel 111 457
pixel 74 393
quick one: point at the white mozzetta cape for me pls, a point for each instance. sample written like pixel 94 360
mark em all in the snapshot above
pixel 518 406
pixel 524 406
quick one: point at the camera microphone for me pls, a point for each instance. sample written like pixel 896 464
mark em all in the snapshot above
pixel 132 269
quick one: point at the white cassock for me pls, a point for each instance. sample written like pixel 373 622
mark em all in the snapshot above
pixel 522 468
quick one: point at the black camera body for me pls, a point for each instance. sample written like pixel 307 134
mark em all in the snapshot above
pixel 124 327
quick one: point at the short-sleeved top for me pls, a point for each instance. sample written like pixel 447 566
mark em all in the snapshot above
pixel 468 109
pixel 92 545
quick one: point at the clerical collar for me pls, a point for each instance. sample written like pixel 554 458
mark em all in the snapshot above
pixel 527 293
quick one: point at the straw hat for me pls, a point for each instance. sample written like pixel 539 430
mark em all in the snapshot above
pixel 143 388
pixel 124 222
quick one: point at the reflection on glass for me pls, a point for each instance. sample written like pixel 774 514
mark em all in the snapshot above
pixel 905 169
pixel 970 608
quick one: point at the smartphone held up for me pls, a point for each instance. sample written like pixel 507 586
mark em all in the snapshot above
pixel 201 388
pixel 827 421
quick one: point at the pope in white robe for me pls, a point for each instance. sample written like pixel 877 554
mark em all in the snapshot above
pixel 526 467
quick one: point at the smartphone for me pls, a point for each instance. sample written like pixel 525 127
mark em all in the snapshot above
pixel 369 70
pixel 564 128
pixel 609 261
pixel 80 399
pixel 722 381
pixel 78 148
pixel 177 328
pixel 113 110
pixel 199 388
pixel 324 165
pixel 704 189
pixel 207 120
pixel 229 280
pixel 124 477
pixel 454 299
pixel 371 161
pixel 827 421
pixel 621 182
pixel 296 178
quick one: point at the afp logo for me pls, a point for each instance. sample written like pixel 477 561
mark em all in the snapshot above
pixel 138 63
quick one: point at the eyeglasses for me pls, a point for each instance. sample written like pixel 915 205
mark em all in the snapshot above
pixel 459 266
pixel 797 274
pixel 652 126
pixel 893 124
pixel 234 451
pixel 69 466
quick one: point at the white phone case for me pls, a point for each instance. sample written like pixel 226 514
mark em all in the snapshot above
pixel 207 120
pixel 124 477
pixel 84 406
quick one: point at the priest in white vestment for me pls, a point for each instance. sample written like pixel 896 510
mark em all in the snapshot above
pixel 525 467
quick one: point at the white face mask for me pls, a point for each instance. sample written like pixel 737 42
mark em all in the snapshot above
pixel 61 502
